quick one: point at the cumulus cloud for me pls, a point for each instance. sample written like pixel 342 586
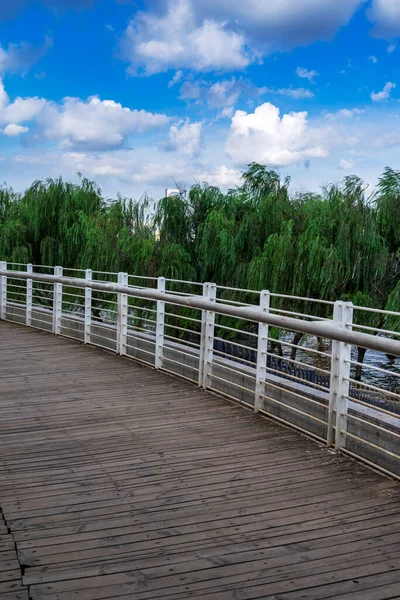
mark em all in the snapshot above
pixel 279 24
pixel 385 16
pixel 345 165
pixel 384 94
pixel 266 137
pixel 205 35
pixel 13 130
pixel 185 137
pixel 373 59
pixel 95 123
pixel 154 44
pixel 92 123
pixel 19 58
pixel 306 74
pixel 19 111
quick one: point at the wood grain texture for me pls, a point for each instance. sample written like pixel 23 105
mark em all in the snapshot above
pixel 119 482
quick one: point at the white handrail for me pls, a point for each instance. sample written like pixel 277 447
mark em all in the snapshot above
pixel 249 313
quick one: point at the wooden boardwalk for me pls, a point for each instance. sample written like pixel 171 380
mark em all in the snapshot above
pixel 119 482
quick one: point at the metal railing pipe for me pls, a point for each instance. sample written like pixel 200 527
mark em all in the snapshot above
pixel 249 313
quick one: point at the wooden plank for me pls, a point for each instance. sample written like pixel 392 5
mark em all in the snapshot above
pixel 119 482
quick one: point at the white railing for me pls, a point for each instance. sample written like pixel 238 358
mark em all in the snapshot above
pixel 220 339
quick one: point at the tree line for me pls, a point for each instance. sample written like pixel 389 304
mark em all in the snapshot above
pixel 341 243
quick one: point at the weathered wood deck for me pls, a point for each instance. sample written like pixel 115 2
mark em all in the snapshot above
pixel 119 482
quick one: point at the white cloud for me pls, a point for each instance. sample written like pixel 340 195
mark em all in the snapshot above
pixel 21 110
pixel 373 59
pixel 185 137
pixel 281 24
pixel 384 94
pixel 344 113
pixel 222 94
pixel 209 35
pixel 73 122
pixel 388 140
pixel 95 123
pixel 221 176
pixel 126 168
pixel 306 74
pixel 154 44
pixel 12 130
pixel 345 165
pixel 265 137
pixel 391 48
pixel 385 15
pixel 176 78
pixel 296 93
pixel 19 58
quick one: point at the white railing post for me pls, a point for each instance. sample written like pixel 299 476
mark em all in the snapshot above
pixel 262 350
pixel 88 308
pixel 57 302
pixel 202 336
pixel 3 291
pixel 339 384
pixel 208 338
pixel 29 292
pixel 122 317
pixel 160 323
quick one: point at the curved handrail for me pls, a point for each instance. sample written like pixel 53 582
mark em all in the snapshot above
pixel 321 328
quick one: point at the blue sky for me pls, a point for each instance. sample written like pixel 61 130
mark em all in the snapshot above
pixel 140 95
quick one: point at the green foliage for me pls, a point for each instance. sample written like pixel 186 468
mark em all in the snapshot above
pixel 338 244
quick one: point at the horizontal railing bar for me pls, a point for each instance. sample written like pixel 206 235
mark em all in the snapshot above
pixel 218 326
pixel 292 393
pixel 377 310
pixel 373 407
pixel 242 374
pixel 304 348
pixel 238 344
pixel 142 308
pixel 236 385
pixel 182 329
pixel 371 387
pixel 367 366
pixel 284 375
pixel 255 314
pixel 180 341
pixel 289 312
pixel 176 362
pixel 292 408
pixel 297 362
pixel 220 354
pixel 366 422
pixel 168 314
pixel 139 349
pixel 371 445
pixel 315 300
pixel 388 331
pixel 183 281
